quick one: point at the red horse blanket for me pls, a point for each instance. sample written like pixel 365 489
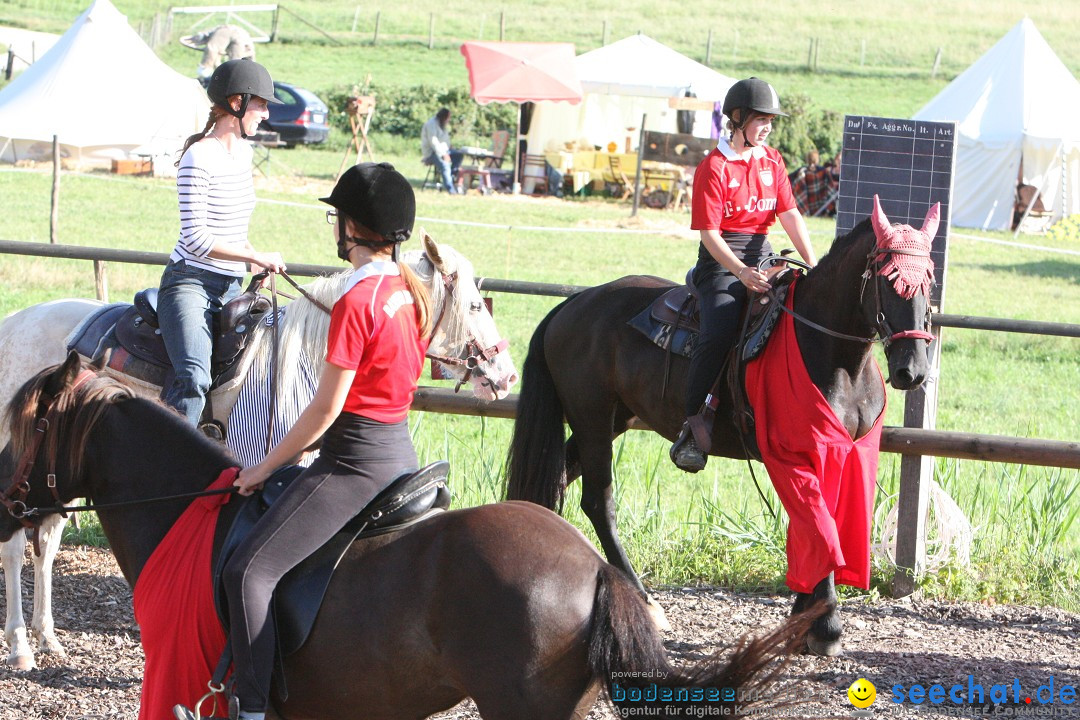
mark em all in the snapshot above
pixel 182 637
pixel 824 479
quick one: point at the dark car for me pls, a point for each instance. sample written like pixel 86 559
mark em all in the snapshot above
pixel 301 118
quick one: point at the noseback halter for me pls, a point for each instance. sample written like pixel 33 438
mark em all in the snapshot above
pixel 473 354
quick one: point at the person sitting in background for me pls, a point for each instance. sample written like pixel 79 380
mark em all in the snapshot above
pixel 435 149
pixel 814 187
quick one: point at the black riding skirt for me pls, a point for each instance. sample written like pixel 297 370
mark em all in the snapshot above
pixel 359 458
pixel 722 297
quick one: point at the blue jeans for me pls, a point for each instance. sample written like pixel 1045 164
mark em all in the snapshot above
pixel 188 299
pixel 447 171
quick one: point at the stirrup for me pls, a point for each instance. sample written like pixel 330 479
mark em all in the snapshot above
pixel 685 453
pixel 182 712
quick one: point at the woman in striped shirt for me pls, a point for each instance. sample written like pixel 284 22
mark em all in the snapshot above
pixel 216 198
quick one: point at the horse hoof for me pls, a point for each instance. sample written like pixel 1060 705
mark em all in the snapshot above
pixel 659 617
pixel 53 646
pixel 824 648
pixel 21 663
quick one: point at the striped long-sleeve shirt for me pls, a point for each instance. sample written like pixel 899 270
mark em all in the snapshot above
pixel 216 198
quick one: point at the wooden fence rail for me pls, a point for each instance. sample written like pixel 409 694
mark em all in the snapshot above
pixel 908 441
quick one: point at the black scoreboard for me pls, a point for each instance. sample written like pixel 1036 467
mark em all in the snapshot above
pixel 909 165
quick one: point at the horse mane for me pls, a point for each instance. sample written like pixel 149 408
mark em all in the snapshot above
pixel 74 414
pixel 829 264
pixel 452 331
pixel 303 331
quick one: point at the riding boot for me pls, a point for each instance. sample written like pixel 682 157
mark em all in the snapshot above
pixel 685 452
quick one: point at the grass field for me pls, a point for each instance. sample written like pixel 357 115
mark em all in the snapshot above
pixel 679 529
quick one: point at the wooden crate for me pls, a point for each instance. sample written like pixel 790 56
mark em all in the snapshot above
pixel 138 166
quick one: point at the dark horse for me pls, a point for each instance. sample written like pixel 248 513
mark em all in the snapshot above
pixel 585 363
pixel 507 604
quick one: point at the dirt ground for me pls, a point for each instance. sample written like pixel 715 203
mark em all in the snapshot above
pixel 887 642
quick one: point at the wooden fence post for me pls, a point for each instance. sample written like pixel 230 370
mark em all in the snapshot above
pixel 431 32
pixel 355 18
pixel 603 36
pixel 101 281
pixel 502 25
pixel 708 49
pixel 916 474
pixel 54 211
pixel 378 17
pixel 937 63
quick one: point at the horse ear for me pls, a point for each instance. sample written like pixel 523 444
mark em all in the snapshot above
pixel 878 219
pixel 432 249
pixel 65 374
pixel 930 224
pixel 98 364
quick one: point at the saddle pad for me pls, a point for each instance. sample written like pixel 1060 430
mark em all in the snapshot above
pixel 85 339
pixel 407 501
pixel 662 334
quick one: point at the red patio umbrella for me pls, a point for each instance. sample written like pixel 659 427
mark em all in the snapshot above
pixel 521 72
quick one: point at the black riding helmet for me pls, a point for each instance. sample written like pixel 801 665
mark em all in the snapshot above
pixel 243 77
pixel 378 197
pixel 753 94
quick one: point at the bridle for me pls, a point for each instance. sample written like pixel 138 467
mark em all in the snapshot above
pixel 884 332
pixel 14 497
pixel 473 354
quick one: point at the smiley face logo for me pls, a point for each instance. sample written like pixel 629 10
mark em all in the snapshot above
pixel 862 693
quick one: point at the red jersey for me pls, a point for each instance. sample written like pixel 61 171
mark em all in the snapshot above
pixel 736 195
pixel 373 330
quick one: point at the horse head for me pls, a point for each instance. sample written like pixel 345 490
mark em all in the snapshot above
pixel 901 298
pixel 62 401
pixel 464 339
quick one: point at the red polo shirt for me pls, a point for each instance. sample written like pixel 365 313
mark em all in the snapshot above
pixel 373 330
pixel 736 195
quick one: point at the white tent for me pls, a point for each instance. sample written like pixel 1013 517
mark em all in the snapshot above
pixel 103 92
pixel 1017 103
pixel 622 81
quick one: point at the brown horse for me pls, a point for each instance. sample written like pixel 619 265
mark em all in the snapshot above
pixel 507 604
pixel 588 365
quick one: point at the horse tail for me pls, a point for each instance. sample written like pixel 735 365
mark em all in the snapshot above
pixel 536 461
pixel 627 656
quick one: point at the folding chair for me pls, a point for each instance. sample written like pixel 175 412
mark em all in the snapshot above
pixel 619 177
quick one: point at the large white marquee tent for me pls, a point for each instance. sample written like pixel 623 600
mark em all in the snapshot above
pixel 633 76
pixel 1016 104
pixel 103 92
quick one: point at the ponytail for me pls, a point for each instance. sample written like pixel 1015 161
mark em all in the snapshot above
pixel 216 113
pixel 421 299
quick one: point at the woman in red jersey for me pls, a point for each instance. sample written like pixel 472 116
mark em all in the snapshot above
pixel 740 189
pixel 375 351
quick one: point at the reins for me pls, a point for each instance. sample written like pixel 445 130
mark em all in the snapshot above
pixel 884 333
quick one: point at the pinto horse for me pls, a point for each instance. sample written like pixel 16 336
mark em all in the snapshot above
pixel 588 365
pixel 465 341
pixel 507 603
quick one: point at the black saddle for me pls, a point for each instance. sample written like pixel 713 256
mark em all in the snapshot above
pixel 672 321
pixel 409 500
pixel 131 336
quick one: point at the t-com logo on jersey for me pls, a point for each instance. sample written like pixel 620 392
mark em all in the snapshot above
pixel 755 204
